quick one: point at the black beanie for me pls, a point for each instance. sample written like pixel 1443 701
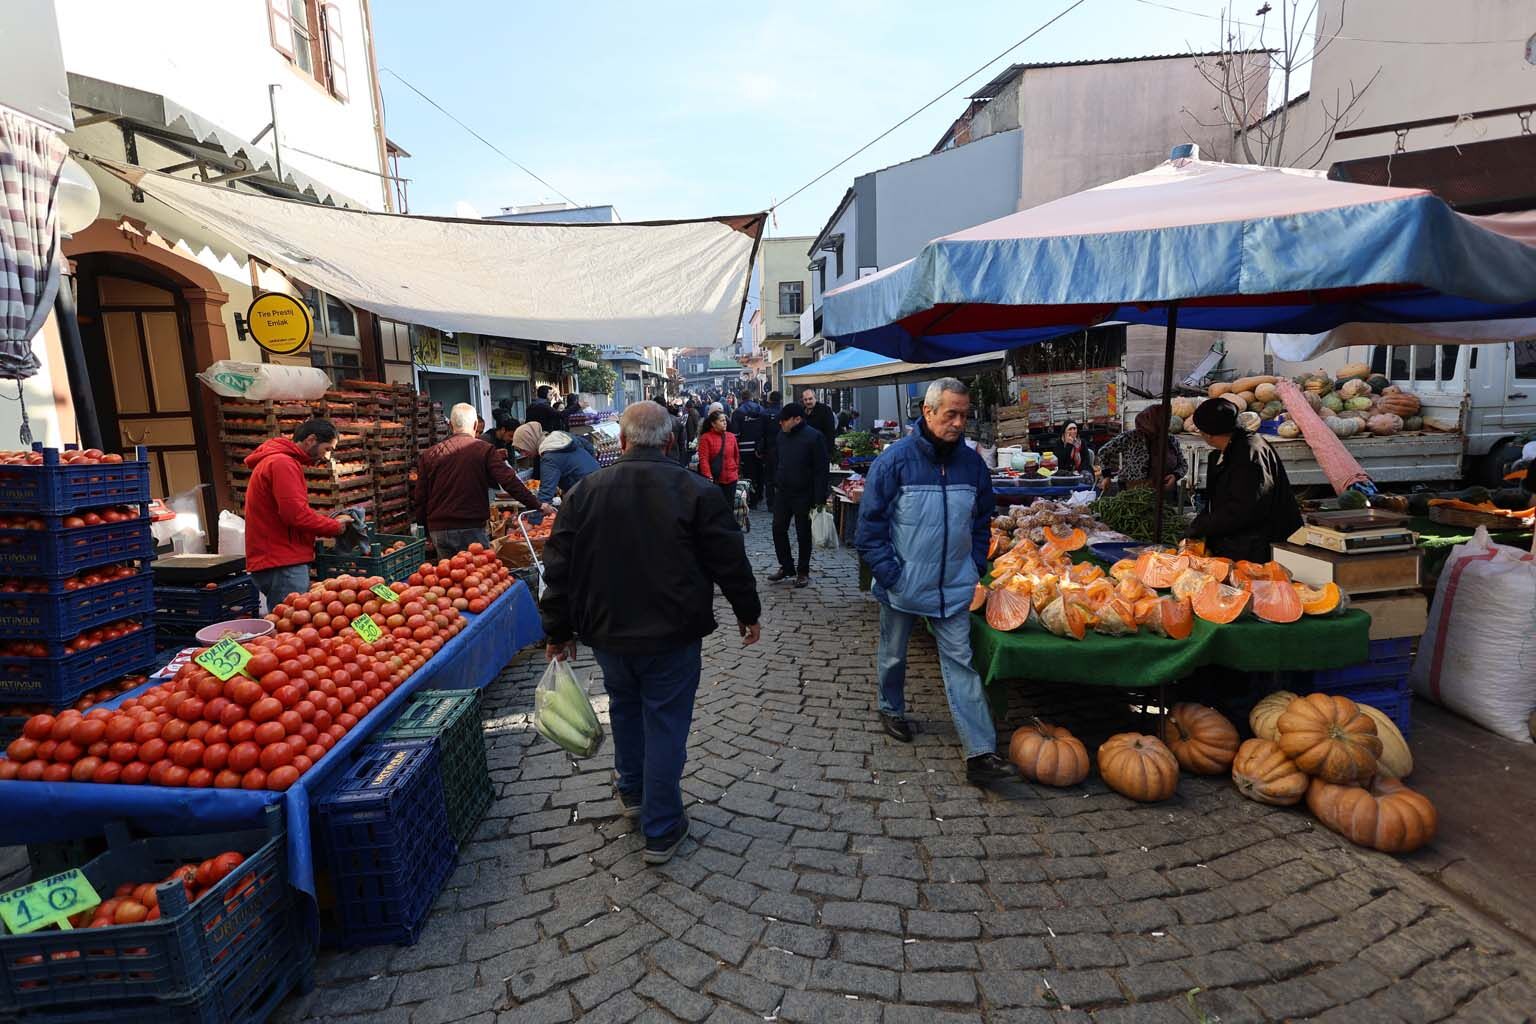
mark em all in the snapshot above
pixel 1216 416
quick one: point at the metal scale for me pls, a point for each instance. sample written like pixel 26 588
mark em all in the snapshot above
pixel 1357 531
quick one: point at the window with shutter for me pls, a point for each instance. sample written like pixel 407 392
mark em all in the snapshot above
pixel 335 51
pixel 281 26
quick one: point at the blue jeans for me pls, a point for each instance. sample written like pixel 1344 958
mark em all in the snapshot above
pixel 967 702
pixel 276 584
pixel 650 709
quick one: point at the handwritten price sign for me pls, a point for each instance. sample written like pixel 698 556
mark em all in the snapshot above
pixel 224 658
pixel 50 901
pixel 384 593
pixel 367 630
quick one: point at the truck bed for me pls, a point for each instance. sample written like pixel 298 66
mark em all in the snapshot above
pixel 1401 458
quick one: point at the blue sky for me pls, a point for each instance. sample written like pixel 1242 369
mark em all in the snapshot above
pixel 671 109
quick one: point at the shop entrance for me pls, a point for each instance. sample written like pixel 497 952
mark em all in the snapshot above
pixel 513 391
pixel 450 389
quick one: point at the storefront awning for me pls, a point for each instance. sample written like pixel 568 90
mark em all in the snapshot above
pixel 856 366
pixel 667 283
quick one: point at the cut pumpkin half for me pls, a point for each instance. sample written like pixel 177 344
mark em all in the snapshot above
pixel 1327 599
pixel 979 598
pixel 1158 569
pixel 1065 619
pixel 1190 583
pixel 1274 601
pixel 1166 616
pixel 1068 541
pixel 1008 609
pixel 1219 603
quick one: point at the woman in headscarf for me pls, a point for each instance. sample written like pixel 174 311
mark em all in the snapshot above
pixel 560 461
pixel 1072 454
pixel 1249 503
pixel 1127 460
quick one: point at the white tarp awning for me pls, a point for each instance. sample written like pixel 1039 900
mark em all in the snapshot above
pixel 669 283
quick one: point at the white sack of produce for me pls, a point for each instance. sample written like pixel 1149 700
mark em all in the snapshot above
pixel 1478 656
pixel 261 382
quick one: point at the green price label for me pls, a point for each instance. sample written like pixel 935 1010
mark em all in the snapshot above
pixel 224 658
pixel 384 593
pixel 50 901
pixel 367 630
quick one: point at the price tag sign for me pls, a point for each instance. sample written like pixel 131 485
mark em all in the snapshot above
pixel 50 901
pixel 384 593
pixel 367 630
pixel 224 658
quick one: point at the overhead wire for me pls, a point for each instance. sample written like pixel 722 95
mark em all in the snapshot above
pixel 487 142
pixel 1045 25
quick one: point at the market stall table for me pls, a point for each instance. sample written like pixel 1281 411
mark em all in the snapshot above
pixel 48 812
pixel 1437 540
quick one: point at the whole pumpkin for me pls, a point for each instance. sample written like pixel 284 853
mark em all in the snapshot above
pixel 1048 754
pixel 1139 767
pixel 1262 772
pixel 1396 759
pixel 1388 816
pixel 1266 713
pixel 1201 738
pixel 1329 737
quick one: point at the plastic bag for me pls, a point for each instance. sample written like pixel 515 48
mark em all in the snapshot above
pixel 229 378
pixel 231 534
pixel 562 713
pixel 823 529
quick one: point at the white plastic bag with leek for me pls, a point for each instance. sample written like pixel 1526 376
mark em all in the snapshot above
pixel 562 713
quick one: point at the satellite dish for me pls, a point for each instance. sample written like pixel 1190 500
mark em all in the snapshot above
pixel 1530 50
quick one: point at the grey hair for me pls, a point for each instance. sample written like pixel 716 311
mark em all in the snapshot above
pixel 646 425
pixel 462 418
pixel 935 394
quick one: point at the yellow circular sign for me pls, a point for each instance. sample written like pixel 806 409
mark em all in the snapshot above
pixel 279 323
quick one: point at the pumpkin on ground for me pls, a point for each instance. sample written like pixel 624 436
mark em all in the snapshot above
pixel 1388 816
pixel 1008 609
pixel 1265 716
pixel 1139 767
pixel 1201 738
pixel 1274 601
pixel 1262 772
pixel 1219 603
pixel 1396 759
pixel 1048 754
pixel 1329 737
pixel 1324 600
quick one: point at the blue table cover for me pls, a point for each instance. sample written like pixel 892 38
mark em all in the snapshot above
pixel 51 811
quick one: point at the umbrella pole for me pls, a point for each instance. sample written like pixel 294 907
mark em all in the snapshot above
pixel 1160 455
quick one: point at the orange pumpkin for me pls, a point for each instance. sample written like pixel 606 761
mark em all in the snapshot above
pixel 1262 772
pixel 1201 738
pixel 1274 601
pixel 1123 570
pixel 1115 618
pixel 1219 603
pixel 1189 583
pixel 1191 546
pixel 1265 717
pixel 995 546
pixel 1008 608
pixel 1139 767
pixel 1048 754
pixel 1324 600
pixel 1244 573
pixel 979 598
pixel 1085 573
pixel 1069 541
pixel 1329 737
pixel 1065 619
pixel 1216 568
pixel 1166 616
pixel 1388 816
pixel 1158 569
pixel 1131 590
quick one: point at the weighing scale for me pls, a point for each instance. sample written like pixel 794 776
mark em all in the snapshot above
pixel 1356 531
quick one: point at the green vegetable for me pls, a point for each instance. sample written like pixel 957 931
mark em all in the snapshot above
pixel 862 442
pixel 561 720
pixel 1352 500
pixel 1133 511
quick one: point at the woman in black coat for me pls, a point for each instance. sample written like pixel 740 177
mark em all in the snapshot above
pixel 1249 502
pixel 1072 453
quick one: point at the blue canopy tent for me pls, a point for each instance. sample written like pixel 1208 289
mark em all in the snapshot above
pixel 1207 245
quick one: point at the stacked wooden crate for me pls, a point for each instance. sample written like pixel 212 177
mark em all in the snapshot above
pixel 391 461
pixel 1012 425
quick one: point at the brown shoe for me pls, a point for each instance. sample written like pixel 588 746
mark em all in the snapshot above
pixel 802 581
pixel 779 576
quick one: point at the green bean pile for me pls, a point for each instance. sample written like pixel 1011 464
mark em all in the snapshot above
pixel 1133 511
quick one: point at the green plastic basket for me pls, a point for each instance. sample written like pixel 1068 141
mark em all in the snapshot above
pixel 395 568
pixel 453 718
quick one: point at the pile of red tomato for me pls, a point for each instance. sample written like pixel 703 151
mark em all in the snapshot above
pixel 81 642
pixel 85 703
pixel 303 689
pixel 79 581
pixel 69 457
pixel 93 517
pixel 471 580
pixel 133 903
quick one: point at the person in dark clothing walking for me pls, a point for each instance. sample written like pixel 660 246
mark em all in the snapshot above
pixel 800 482
pixel 679 447
pixel 820 417
pixel 540 411
pixel 630 569
pixel 1249 501
pixel 768 447
pixel 749 423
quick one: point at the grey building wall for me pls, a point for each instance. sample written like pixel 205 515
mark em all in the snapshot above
pixel 944 192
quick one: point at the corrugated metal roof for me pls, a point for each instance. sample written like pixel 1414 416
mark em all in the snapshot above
pixel 992 88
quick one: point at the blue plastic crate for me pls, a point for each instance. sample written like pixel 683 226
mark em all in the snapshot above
pixel 56 488
pixel 61 614
pixel 387 848
pixel 193 952
pixel 56 551
pixel 61 680
pixel 1388 693
pixel 233 598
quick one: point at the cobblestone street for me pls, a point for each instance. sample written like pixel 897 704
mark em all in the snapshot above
pixel 837 875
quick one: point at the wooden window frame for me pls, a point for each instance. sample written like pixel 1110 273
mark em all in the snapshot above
pixel 334 50
pixel 325 40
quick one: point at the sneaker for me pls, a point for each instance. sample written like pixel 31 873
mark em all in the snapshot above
pixel 802 581
pixel 779 575
pixel 660 849
pixel 629 803
pixel 988 768
pixel 896 727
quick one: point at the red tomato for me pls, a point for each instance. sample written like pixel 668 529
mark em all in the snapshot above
pixel 146 731
pixel 208 687
pixel 242 731
pixel 291 721
pixel 216 756
pixel 244 756
pixel 189 753
pixel 282 777
pixel 108 772
pixel 266 709
pixel 191 710
pixel 199 730
pixel 213 708
pixel 216 734
pixel 84 770
pixel 174 730
pixel 134 773
pixel 268 733
pixel 200 778
pixel 262 663
pixel 38 727
pixel 232 714
pixel 123 752
pixel 67 752
pixel 175 776
pixel 21 749
pixel 275 756
pixel 64 725
pixel 88 731
pixel 226 780
pixel 272 681
pixel 289 696
pixel 246 692
pixel 254 779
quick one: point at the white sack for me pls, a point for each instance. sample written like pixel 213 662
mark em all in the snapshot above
pixel 231 534
pixel 262 382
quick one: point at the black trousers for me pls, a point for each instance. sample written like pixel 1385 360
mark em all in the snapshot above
pixel 752 470
pixel 785 507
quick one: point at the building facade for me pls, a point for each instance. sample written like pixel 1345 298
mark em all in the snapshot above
pixel 784 294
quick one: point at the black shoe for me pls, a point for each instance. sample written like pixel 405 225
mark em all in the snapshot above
pixel 802 581
pixel 629 803
pixel 987 768
pixel 660 849
pixel 896 727
pixel 779 575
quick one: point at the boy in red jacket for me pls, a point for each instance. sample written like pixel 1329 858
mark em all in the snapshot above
pixel 280 527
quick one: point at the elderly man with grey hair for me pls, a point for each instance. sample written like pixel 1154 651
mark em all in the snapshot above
pixel 453 482
pixel 631 569
pixel 923 531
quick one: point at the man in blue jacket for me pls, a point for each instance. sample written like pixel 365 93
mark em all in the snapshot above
pixel 923 532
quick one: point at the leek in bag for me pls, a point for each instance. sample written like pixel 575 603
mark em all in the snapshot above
pixel 562 713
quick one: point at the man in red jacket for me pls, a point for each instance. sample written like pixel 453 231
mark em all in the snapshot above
pixel 280 527
pixel 453 483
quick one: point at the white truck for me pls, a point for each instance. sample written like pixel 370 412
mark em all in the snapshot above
pixel 1488 391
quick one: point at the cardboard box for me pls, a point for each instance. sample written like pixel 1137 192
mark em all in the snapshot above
pixel 1365 573
pixel 1395 615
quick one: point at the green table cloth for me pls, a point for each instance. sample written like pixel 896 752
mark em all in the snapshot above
pixel 1146 660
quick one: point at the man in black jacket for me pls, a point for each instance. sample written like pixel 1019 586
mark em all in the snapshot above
pixel 631 568
pixel 800 482
pixel 820 417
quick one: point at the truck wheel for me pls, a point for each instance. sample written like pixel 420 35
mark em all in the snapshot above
pixel 1491 467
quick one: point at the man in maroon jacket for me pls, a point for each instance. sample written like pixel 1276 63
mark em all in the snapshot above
pixel 453 483
pixel 280 527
